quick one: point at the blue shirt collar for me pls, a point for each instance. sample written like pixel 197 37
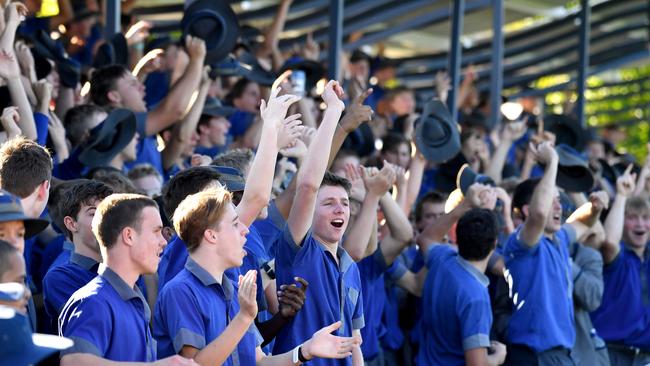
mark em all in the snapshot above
pixel 345 261
pixel 125 292
pixel 83 261
pixel 207 279
pixel 480 277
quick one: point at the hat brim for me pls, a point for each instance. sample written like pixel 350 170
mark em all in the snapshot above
pixel 575 178
pixel 221 12
pixel 567 131
pixel 219 112
pixel 121 120
pixel 33 226
pixel 467 176
pixel 437 151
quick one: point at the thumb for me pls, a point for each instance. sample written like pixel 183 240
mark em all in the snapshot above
pixel 241 280
pixel 332 327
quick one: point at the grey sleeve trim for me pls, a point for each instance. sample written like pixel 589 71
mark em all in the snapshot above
pixel 399 272
pixel 358 323
pixel 476 341
pixel 186 337
pixel 258 336
pixel 571 233
pixel 82 346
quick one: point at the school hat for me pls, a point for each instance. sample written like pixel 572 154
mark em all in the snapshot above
pixel 257 73
pixel 214 108
pixel 69 70
pixel 229 66
pixel 19 346
pixel 573 173
pixel 567 131
pixel 12 210
pixel 230 178
pixel 467 176
pixel 108 138
pixel 215 23
pixel 115 51
pixel 436 133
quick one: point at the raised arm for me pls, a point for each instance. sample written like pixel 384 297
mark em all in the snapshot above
pixel 586 216
pixel 543 195
pixel 401 231
pixel 182 132
pixel 414 181
pixel 616 216
pixel 10 71
pixel 259 182
pixel 511 132
pixel 377 184
pixel 173 107
pixel 310 175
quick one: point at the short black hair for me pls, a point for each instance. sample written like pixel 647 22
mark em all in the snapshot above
pixel 476 234
pixel 391 142
pixel 76 122
pixel 81 193
pixel 331 179
pixel 103 81
pixel 6 251
pixel 524 193
pixel 185 183
pixel 431 197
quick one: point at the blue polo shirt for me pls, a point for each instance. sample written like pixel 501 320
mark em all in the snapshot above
pixel 147 149
pixel 393 337
pixel 62 281
pixel 172 261
pixel 194 309
pixel 108 319
pixel 334 292
pixel 270 228
pixel 541 280
pixel 624 314
pixel 64 256
pixel 371 271
pixel 457 315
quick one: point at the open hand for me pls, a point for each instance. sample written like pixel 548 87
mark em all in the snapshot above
pixel 378 184
pixel 626 183
pixel 275 110
pixel 324 344
pixel 356 113
pixel 290 130
pixel 246 295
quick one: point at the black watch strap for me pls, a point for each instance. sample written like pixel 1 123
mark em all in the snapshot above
pixel 300 356
pixel 269 271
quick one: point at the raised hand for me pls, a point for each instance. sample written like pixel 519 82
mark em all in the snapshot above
pixel 356 113
pixel 246 295
pixel 275 110
pixel 200 160
pixel 8 65
pixel 443 85
pixel 292 297
pixel 626 183
pixel 355 175
pixel 289 131
pixel 545 153
pixel 138 32
pixel 481 196
pixel 325 345
pixel 599 200
pixel 308 134
pixel 195 48
pixel 15 12
pixel 378 184
pixel 43 91
pixel 25 60
pixel 333 95
pixel 10 118
pixel 298 150
pixel 311 49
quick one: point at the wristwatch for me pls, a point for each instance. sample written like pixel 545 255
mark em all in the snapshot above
pixel 296 355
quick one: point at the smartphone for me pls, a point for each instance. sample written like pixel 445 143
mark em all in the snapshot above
pixel 298 81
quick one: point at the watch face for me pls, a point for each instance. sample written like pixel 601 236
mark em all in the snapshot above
pixel 294 355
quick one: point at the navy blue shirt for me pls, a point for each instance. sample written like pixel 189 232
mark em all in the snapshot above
pixel 109 319
pixel 270 228
pixel 172 261
pixel 393 337
pixel 194 309
pixel 457 315
pixel 624 314
pixel 62 281
pixel 371 271
pixel 541 287
pixel 64 256
pixel 334 292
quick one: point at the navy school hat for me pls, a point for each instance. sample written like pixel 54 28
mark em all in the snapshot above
pixel 109 138
pixel 215 23
pixel 436 133
pixel 573 173
pixel 214 108
pixel 230 178
pixel 467 176
pixel 19 346
pixel 12 210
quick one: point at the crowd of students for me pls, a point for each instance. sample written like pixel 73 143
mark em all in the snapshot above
pixel 155 209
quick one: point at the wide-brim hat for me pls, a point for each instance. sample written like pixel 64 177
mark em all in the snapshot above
pixel 230 66
pixel 19 346
pixel 69 70
pixel 215 23
pixel 467 176
pixel 230 178
pixel 567 131
pixel 12 210
pixel 115 51
pixel 436 133
pixel 573 174
pixel 314 71
pixel 257 73
pixel 109 138
pixel 214 108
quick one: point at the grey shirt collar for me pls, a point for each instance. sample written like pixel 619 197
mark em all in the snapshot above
pixel 207 279
pixel 126 293
pixel 480 277
pixel 82 261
